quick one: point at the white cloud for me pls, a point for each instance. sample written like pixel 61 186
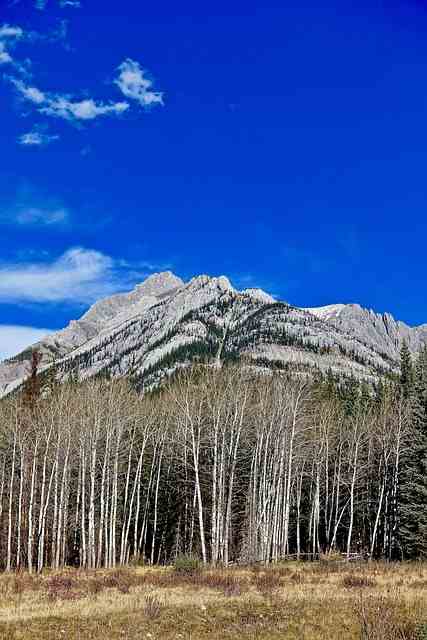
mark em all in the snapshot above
pixel 32 94
pixel 5 57
pixel 11 35
pixel 134 84
pixel 78 276
pixel 7 31
pixel 36 138
pixel 16 338
pixel 62 106
pixel 8 36
pixel 40 4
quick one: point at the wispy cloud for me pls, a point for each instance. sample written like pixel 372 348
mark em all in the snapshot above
pixel 40 216
pixel 32 94
pixel 15 338
pixel 36 138
pixel 133 81
pixel 75 4
pixel 11 35
pixel 135 84
pixel 42 4
pixel 30 207
pixel 9 31
pixel 60 33
pixel 78 276
pixel 8 37
pixel 63 106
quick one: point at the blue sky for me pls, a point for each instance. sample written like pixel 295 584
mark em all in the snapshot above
pixel 283 145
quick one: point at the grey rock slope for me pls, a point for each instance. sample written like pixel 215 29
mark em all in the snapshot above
pixel 103 315
pixel 164 324
pixel 380 330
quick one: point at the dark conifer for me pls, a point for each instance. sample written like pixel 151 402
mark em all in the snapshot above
pixel 413 499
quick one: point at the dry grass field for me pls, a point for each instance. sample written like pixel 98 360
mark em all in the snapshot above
pixel 310 601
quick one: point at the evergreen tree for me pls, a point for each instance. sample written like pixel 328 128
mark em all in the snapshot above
pixel 406 371
pixel 380 390
pixel 50 382
pixel 351 396
pixel 413 507
pixel 31 388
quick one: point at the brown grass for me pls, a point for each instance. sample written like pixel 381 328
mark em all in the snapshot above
pixel 354 581
pixel 309 601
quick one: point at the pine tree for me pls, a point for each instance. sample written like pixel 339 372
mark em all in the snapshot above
pixel 351 396
pixel 380 390
pixel 31 386
pixel 413 507
pixel 406 371
pixel 50 382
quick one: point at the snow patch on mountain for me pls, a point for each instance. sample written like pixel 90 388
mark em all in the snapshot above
pixel 327 312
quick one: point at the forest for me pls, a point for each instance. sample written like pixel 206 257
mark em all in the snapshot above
pixel 224 464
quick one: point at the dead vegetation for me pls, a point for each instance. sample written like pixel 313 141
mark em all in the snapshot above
pixel 309 601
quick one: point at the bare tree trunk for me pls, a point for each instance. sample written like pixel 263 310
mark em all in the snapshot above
pixel 30 510
pixel 20 500
pixel 9 530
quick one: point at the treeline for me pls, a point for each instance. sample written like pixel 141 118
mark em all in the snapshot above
pixel 221 463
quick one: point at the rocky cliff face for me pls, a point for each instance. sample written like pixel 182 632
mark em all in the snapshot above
pixel 100 318
pixel 379 330
pixel 164 324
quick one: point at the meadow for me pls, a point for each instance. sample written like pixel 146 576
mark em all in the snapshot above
pixel 301 601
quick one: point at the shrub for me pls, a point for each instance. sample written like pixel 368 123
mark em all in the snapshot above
pixel 120 579
pixel 186 565
pixel 282 570
pixel 24 582
pixel 95 586
pixel 61 587
pixel 267 583
pixel 352 581
pixel 232 588
pixel 222 580
pixel 385 618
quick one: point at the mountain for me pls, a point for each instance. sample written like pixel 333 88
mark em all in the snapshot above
pixel 381 330
pixel 165 323
pixel 103 315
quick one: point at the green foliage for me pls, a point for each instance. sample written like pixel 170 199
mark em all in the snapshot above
pixel 406 372
pixel 413 498
pixel 185 565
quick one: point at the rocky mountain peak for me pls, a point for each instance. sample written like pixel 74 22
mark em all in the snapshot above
pixel 259 294
pixel 158 284
pixel 202 282
pixel 164 323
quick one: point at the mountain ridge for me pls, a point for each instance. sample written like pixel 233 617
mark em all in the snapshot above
pixel 165 323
